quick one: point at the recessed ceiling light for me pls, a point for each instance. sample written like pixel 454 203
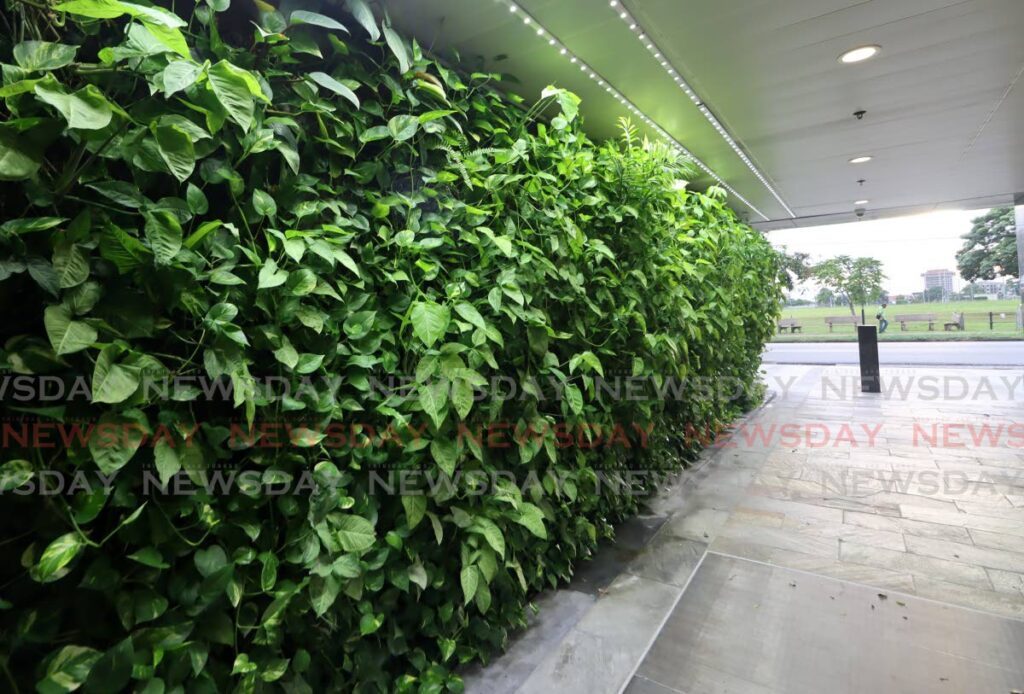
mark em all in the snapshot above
pixel 856 55
pixel 861 202
pixel 860 160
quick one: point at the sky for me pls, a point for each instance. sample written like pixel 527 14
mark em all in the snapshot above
pixel 907 246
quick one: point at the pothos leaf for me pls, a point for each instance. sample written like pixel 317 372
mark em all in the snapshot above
pixel 397 45
pixel 233 91
pixel 430 321
pixel 415 507
pixel 469 578
pixel 163 231
pixel 19 159
pixel 43 55
pixel 403 127
pixel 86 109
pixel 96 9
pixel 58 554
pixel 176 150
pixel 66 335
pixel 179 75
pixel 113 382
pixel 316 19
pixel 328 82
pixel 361 11
pixel 113 669
pixel 68 669
pixel 355 533
pixel 170 37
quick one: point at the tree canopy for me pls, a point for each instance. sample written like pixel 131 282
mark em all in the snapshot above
pixel 990 248
pixel 853 280
pixel 796 267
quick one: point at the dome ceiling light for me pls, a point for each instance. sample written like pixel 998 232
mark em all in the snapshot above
pixel 859 54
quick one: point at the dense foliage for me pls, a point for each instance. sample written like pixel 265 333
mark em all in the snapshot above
pixel 855 281
pixel 308 197
pixel 796 267
pixel 990 247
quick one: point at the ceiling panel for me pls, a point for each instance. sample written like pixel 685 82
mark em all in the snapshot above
pixel 944 101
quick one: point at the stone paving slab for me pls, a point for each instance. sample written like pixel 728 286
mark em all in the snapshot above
pixel 744 626
pixel 557 613
pixel 605 646
pixel 944 516
pixel 900 505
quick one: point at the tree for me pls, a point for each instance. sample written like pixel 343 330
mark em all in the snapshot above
pixel 825 297
pixel 932 294
pixel 796 267
pixel 854 280
pixel 990 248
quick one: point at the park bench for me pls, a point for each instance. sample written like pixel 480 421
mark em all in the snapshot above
pixel 956 324
pixel 841 320
pixel 790 324
pixel 905 318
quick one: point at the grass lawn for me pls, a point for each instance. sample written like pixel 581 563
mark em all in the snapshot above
pixel 976 322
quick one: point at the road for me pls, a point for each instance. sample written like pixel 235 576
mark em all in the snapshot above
pixel 900 353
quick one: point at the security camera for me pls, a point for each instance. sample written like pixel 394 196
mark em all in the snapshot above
pixel 859 212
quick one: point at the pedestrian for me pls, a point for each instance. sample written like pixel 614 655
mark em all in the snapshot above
pixel 882 322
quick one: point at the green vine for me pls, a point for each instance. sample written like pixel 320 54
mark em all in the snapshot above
pixel 208 199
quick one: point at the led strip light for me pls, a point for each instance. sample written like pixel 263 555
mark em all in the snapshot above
pixel 634 26
pixel 545 35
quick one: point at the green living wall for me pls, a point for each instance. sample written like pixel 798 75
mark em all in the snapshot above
pixel 306 197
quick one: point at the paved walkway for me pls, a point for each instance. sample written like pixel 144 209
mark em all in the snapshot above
pixel 1006 353
pixel 839 542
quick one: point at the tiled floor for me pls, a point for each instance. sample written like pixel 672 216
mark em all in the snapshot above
pixel 925 506
pixel 917 494
pixel 744 626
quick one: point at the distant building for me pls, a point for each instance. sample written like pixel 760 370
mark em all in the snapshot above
pixel 939 278
pixel 992 288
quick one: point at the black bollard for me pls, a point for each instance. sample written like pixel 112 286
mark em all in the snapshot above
pixel 870 373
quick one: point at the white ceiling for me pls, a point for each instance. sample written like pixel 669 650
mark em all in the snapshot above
pixel 944 98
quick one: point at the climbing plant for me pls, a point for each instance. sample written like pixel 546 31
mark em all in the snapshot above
pixel 198 201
